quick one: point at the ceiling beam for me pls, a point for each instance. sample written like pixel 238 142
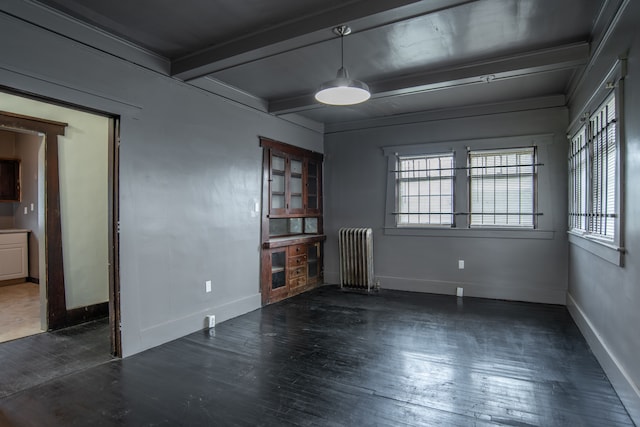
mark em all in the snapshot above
pixel 518 65
pixel 359 14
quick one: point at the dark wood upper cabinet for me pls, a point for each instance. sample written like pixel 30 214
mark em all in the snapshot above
pixel 294 184
pixel 9 180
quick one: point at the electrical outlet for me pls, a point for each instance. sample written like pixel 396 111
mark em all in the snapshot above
pixel 461 264
pixel 207 286
pixel 459 292
pixel 210 321
pixel 26 210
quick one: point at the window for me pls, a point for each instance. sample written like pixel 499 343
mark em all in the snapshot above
pixel 592 174
pixel 473 188
pixel 578 181
pixel 425 190
pixel 502 187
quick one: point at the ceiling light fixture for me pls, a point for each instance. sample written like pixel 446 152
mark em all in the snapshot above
pixel 342 90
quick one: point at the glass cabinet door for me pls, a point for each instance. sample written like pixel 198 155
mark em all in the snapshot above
pixel 312 186
pixel 295 187
pixel 278 269
pixel 278 183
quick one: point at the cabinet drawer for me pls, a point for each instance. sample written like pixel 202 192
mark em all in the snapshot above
pixel 295 272
pixel 297 261
pixel 297 282
pixel 296 250
pixel 13 239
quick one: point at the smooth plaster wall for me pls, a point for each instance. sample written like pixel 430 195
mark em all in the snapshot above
pixel 7 150
pixel 27 149
pixel 529 269
pixel 608 296
pixel 190 175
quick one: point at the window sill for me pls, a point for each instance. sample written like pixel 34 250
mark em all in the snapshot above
pixel 604 250
pixel 470 233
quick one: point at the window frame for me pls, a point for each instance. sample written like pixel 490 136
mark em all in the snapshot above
pixel 545 230
pixel 534 189
pixel 399 180
pixel 611 250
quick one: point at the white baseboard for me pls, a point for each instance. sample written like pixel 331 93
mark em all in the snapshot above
pixel 538 294
pixel 627 391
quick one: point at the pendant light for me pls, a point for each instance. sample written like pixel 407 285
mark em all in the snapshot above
pixel 342 90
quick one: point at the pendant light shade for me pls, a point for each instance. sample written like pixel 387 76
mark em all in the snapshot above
pixel 343 90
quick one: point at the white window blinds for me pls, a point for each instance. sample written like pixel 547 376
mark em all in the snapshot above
pixel 425 190
pixel 603 170
pixel 502 187
pixel 578 195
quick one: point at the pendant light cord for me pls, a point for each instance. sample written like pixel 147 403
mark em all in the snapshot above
pixel 342 50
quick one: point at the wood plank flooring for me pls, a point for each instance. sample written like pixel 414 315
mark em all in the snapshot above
pixel 19 311
pixel 31 361
pixel 328 358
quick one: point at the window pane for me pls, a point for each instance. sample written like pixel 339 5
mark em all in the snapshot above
pixel 602 171
pixel 296 167
pixel 296 202
pixel 277 163
pixel 577 181
pixel 502 187
pixel 425 190
pixel 296 185
pixel 277 183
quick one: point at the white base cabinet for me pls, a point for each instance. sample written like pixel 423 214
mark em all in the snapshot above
pixel 14 255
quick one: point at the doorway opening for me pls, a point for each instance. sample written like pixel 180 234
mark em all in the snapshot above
pixel 68 208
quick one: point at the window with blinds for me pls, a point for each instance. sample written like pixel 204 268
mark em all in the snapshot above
pixel 592 174
pixel 603 170
pixel 578 154
pixel 425 190
pixel 502 185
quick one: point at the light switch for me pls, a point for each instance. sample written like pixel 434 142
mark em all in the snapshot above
pixel 32 207
pixel 461 264
pixel 207 286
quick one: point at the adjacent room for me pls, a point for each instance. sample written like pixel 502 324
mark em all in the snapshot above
pixel 323 212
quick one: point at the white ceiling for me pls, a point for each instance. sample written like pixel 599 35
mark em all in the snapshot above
pixel 415 55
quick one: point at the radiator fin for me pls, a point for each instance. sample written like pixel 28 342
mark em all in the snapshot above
pixel 356 258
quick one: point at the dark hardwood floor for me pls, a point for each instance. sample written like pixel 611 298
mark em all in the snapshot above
pixel 328 358
pixel 30 361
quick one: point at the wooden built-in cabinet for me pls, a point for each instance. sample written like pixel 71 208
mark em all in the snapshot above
pixel 292 233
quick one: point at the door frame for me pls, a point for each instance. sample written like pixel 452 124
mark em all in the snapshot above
pixel 57 313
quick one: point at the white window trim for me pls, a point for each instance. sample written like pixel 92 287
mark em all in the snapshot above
pixel 611 251
pixel 461 191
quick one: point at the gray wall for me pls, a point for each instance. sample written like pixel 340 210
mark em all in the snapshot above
pixel 27 148
pixel 496 265
pixel 190 174
pixel 604 298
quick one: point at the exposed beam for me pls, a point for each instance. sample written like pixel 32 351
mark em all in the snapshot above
pixel 360 14
pixel 518 65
